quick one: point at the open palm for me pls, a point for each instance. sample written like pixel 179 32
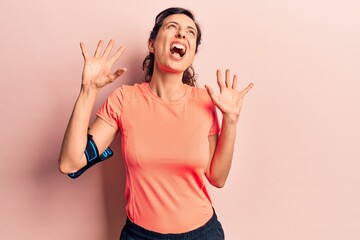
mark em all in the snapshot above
pixel 97 69
pixel 230 100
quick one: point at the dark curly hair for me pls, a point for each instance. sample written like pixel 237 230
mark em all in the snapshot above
pixel 189 76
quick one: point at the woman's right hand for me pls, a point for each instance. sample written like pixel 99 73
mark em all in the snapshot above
pixel 97 69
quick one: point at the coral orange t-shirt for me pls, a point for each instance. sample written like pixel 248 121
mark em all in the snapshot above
pixel 165 146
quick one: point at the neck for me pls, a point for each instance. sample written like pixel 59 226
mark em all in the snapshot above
pixel 167 86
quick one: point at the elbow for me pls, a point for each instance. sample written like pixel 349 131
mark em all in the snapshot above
pixel 217 182
pixel 66 168
pixel 63 169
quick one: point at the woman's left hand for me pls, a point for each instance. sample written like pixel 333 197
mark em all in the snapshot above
pixel 230 99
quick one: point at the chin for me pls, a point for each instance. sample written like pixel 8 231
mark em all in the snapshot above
pixel 169 69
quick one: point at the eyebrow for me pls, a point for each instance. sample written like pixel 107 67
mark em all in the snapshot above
pixel 179 24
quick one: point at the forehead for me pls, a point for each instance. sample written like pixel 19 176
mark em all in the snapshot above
pixel 182 19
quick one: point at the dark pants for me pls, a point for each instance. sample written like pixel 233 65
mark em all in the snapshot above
pixel 212 230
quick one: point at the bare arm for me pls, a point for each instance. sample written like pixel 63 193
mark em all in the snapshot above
pixel 222 148
pixel 96 74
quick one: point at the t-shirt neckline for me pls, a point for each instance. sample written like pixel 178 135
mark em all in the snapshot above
pixel 164 101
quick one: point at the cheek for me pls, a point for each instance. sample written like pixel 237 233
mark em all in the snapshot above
pixel 193 46
pixel 192 55
pixel 162 44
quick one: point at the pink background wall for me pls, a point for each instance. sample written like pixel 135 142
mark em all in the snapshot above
pixel 296 170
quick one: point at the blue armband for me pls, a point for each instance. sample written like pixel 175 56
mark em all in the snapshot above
pixel 92 156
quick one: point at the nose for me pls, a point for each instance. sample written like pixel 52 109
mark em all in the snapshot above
pixel 180 34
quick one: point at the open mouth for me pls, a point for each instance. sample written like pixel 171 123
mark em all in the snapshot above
pixel 177 50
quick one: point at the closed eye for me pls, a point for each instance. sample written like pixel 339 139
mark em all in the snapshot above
pixel 172 25
pixel 192 32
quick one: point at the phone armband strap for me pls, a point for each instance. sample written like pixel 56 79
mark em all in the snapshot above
pixel 92 156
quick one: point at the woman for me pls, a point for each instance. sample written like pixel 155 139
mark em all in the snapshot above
pixel 169 132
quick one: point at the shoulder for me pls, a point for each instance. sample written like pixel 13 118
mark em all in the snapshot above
pixel 129 92
pixel 136 88
pixel 200 95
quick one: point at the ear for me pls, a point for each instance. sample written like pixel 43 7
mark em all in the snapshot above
pixel 151 46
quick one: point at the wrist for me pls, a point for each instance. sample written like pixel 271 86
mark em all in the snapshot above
pixel 88 90
pixel 230 118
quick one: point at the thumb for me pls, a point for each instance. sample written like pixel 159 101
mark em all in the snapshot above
pixel 117 74
pixel 248 88
pixel 210 91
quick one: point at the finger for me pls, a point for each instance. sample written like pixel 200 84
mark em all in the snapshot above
pixel 247 88
pixel 209 90
pixel 211 94
pixel 108 48
pixel 227 78
pixel 219 79
pixel 117 54
pixel 83 51
pixel 234 84
pixel 120 71
pixel 117 74
pixel 98 49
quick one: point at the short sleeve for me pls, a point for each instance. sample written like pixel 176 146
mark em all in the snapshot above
pixel 112 109
pixel 215 128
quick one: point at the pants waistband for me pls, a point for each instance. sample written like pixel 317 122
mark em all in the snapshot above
pixel 193 234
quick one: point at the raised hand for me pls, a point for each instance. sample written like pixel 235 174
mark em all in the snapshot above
pixel 97 69
pixel 230 99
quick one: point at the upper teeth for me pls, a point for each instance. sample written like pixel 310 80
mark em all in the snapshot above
pixel 179 46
